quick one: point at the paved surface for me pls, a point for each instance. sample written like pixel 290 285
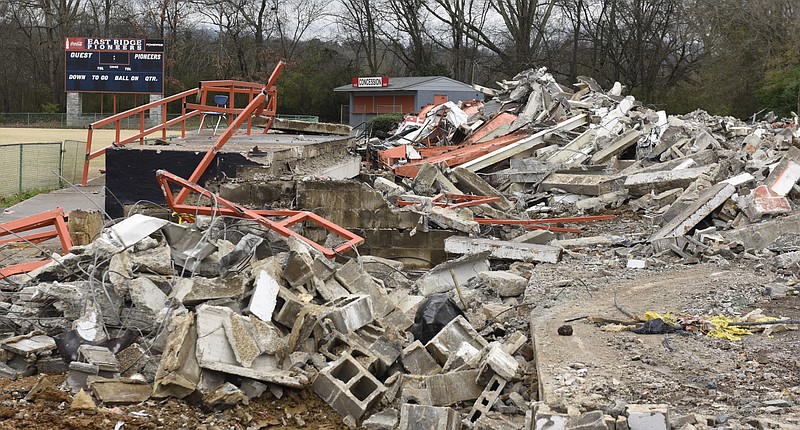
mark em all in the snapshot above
pixel 91 197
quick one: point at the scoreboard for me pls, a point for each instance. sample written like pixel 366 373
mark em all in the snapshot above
pixel 94 65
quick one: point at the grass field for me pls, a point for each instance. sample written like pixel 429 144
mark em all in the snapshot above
pixel 101 138
pixel 72 151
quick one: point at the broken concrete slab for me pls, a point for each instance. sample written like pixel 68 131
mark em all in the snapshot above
pixel 615 146
pixel 538 237
pixel 350 313
pixel 504 283
pixel 413 417
pixel 761 235
pixel 786 174
pixel 687 219
pixel 580 182
pixel 440 279
pixel 120 391
pixel 503 249
pixel 458 337
pixel 470 182
pixel 648 417
pixel 765 201
pixel 199 289
pixel 264 297
pixel 454 219
pixel 215 353
pixel 640 184
pixel 449 388
pixel 146 296
pixel 31 343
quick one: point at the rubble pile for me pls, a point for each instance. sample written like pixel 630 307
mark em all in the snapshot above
pixel 222 311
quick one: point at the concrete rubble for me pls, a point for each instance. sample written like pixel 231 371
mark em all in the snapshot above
pixel 225 312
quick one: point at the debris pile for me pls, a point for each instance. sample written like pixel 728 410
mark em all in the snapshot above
pixel 236 306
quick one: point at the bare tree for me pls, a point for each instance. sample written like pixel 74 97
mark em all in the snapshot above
pixel 359 21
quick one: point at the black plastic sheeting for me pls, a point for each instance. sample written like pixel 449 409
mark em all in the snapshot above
pixel 432 315
pixel 656 326
pixel 68 343
pixel 131 173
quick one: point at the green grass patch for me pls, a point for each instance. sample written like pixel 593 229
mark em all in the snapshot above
pixel 17 198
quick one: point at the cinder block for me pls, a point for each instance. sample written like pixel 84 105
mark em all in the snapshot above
pixel 299 268
pixel 422 417
pixel 487 399
pixel 450 339
pixel 348 387
pixel 358 281
pixel 449 388
pixel 648 417
pixel 287 308
pixel 350 313
pixel 417 361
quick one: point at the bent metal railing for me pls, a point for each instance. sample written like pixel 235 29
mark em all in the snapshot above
pixel 261 102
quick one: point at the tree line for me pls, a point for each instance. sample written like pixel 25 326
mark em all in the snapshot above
pixel 730 57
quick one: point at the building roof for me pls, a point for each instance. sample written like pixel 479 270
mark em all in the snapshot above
pixel 412 83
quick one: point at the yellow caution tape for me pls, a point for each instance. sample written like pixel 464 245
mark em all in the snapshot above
pixel 723 330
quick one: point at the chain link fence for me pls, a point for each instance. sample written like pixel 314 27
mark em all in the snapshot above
pixel 29 167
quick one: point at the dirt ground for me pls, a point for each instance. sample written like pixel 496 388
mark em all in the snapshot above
pixel 51 411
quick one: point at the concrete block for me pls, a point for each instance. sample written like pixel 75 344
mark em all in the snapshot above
pixel 350 313
pixel 287 308
pixel 99 356
pixel 786 174
pixel 450 339
pixel 417 361
pixel 440 280
pixel 386 419
pixel 453 387
pixel 503 249
pixel 505 284
pixel 323 268
pixel 120 391
pixel 146 296
pixel 470 183
pixel 330 289
pixel 358 281
pixel 640 184
pixel 78 375
pixel 580 182
pixel 423 417
pixel 299 268
pixel 498 362
pixel 487 399
pixel 454 219
pixel 538 237
pixel 199 289
pixel 264 297
pixel 388 187
pixel 648 417
pixel 348 387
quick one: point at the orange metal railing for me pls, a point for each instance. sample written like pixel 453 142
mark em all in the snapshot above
pixel 256 93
